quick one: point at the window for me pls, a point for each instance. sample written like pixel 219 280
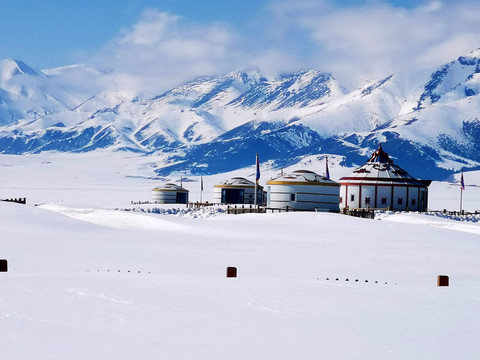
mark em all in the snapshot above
pixel 400 201
pixel 367 200
pixel 413 202
pixel 384 201
pixel 352 197
pixel 292 197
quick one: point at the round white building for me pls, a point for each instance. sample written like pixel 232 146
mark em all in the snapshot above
pixel 237 190
pixel 303 190
pixel 170 194
pixel 380 184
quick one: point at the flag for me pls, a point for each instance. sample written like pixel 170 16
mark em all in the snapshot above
pixel 462 184
pixel 327 173
pixel 201 183
pixel 258 171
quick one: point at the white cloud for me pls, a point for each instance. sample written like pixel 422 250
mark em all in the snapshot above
pixel 376 39
pixel 370 40
pixel 163 50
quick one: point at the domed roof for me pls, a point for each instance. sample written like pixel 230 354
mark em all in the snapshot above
pixel 236 182
pixel 301 177
pixel 170 187
pixel 381 169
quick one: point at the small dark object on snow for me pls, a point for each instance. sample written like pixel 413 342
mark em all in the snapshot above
pixel 231 272
pixel 347 280
pixel 366 280
pixel 3 265
pixel 356 280
pixel 442 280
pixel 336 279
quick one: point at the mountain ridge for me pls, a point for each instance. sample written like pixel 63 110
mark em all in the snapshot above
pixel 425 116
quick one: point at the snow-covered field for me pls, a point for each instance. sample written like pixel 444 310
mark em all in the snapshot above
pixel 86 281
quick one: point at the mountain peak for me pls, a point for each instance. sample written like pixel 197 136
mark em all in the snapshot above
pixel 10 68
pixel 474 53
pixel 247 76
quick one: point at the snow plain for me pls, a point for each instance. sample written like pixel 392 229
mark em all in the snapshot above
pixel 88 281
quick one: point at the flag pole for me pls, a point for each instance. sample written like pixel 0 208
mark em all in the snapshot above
pixel 201 188
pixel 256 181
pixel 327 172
pixel 462 187
pixel 461 198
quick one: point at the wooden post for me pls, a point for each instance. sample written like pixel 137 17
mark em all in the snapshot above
pixel 3 265
pixel 231 272
pixel 442 280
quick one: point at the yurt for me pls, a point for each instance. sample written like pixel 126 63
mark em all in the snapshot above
pixel 237 190
pixel 382 184
pixel 170 194
pixel 303 190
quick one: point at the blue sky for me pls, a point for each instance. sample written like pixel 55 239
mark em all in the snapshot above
pixel 171 41
pixel 50 33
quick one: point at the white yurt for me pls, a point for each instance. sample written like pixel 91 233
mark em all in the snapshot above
pixel 303 190
pixel 170 194
pixel 237 190
pixel 382 184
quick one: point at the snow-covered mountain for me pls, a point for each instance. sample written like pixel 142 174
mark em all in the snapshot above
pixel 426 118
pixel 26 93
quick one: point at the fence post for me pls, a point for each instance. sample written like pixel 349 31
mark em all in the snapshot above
pixel 231 272
pixel 3 265
pixel 442 280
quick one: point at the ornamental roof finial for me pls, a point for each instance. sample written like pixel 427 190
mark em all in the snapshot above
pixel 380 156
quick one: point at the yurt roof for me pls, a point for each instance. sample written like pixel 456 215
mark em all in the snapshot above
pixel 302 177
pixel 170 187
pixel 380 169
pixel 237 182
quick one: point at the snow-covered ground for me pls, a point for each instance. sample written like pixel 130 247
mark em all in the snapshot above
pixel 88 281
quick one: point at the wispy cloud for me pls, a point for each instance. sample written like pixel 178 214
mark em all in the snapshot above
pixel 370 40
pixel 376 38
pixel 164 50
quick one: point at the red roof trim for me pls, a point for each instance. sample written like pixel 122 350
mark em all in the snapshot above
pixel 409 180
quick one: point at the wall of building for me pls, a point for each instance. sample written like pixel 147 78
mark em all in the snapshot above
pixel 248 194
pixel 394 197
pixel 303 197
pixel 169 197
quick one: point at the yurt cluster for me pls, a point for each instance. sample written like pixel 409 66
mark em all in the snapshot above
pixel 378 184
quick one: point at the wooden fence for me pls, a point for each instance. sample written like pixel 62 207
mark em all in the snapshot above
pixel 361 213
pixel 16 200
pixel 242 209
pixel 455 213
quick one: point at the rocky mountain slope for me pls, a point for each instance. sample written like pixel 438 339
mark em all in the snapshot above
pixel 428 119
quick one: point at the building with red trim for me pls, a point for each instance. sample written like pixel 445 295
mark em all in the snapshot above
pixel 380 184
